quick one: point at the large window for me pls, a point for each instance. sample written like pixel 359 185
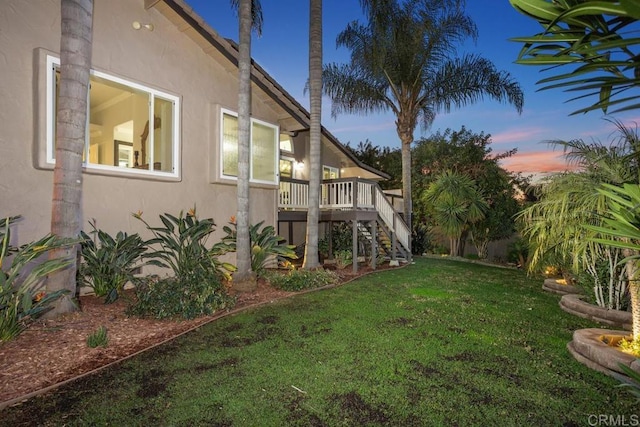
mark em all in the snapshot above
pixel 132 128
pixel 329 172
pixel 286 167
pixel 263 147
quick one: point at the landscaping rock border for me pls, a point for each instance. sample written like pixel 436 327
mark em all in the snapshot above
pixel 588 348
pixel 572 303
pixel 552 285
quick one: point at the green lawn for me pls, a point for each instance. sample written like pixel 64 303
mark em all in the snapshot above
pixel 436 343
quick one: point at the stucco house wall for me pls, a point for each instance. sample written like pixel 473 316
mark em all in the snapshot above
pixel 165 59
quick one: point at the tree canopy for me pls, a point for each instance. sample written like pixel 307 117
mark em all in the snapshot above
pixel 404 60
pixel 471 154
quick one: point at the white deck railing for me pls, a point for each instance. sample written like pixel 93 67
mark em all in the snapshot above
pixel 351 193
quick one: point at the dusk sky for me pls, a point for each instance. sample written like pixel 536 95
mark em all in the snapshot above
pixel 283 52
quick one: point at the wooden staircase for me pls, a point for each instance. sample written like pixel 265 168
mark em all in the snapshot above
pixel 384 241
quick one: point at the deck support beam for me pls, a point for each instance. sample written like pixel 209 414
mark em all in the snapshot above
pixel 355 246
pixel 374 243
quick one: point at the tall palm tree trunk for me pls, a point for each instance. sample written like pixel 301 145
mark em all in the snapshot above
pixel 315 95
pixel 406 182
pixel 244 279
pixel 633 275
pixel 405 126
pixel 71 127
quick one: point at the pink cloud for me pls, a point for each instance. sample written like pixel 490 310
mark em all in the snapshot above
pixel 517 135
pixel 537 162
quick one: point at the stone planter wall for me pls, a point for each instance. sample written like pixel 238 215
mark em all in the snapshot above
pixel 573 304
pixel 589 349
pixel 551 285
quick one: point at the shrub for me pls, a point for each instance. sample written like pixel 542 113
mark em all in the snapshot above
pixel 342 237
pixel 108 263
pixel 630 346
pixel 381 258
pixel 182 248
pixel 518 252
pixel 440 249
pixel 196 287
pixel 421 239
pixel 21 296
pixel 323 248
pixel 296 280
pixel 264 243
pixel 99 338
pixel 168 298
pixel 344 258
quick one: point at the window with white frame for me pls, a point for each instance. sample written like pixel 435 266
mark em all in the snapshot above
pixel 131 127
pixel 263 148
pixel 286 143
pixel 287 167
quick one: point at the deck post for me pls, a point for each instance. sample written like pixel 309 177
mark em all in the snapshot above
pixel 354 193
pixel 354 253
pixel 374 243
pixel 330 254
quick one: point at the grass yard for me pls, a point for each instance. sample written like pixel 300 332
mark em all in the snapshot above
pixel 437 343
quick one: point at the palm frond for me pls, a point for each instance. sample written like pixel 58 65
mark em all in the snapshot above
pixel 353 91
pixel 589 37
pixel 469 79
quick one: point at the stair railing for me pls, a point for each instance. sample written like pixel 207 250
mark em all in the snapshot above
pixel 348 193
pixel 392 219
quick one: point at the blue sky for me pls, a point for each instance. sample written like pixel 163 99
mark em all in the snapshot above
pixel 283 52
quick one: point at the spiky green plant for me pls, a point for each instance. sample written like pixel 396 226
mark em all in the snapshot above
pixel 180 245
pixel 265 244
pixel 108 262
pixel 99 338
pixel 620 228
pixel 22 298
pixel 456 203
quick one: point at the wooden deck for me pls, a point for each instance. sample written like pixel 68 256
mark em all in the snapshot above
pixel 348 200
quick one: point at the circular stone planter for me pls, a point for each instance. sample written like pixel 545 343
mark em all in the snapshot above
pixel 572 303
pixel 552 285
pixel 589 348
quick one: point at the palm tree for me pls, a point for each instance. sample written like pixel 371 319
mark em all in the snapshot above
pixel 561 224
pixel 71 127
pixel 315 94
pixel 250 16
pixel 456 204
pixel 403 61
pixel 620 229
pixel 589 35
